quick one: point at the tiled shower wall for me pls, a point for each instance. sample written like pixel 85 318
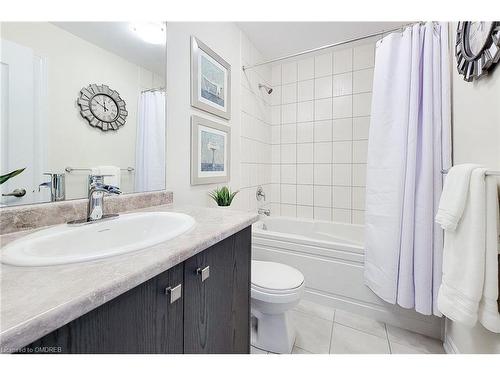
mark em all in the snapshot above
pixel 320 110
pixel 255 130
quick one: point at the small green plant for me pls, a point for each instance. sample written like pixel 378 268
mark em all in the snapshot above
pixel 8 176
pixel 223 196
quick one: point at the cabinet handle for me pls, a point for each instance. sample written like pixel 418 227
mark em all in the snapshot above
pixel 204 272
pixel 175 293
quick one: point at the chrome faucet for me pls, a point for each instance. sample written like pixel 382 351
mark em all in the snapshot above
pixel 56 186
pixel 259 194
pixel 264 211
pixel 97 190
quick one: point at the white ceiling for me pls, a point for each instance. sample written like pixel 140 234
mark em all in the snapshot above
pixel 117 38
pixel 275 39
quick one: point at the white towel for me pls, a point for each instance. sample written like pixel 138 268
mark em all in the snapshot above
pixel 453 197
pixel 464 257
pixel 112 174
pixel 488 307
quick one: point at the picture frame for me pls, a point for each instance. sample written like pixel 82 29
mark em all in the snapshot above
pixel 210 80
pixel 210 151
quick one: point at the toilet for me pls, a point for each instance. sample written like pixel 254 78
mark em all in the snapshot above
pixel 276 288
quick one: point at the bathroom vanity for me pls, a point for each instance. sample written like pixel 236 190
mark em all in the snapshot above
pixel 190 294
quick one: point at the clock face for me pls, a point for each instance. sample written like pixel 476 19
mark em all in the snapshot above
pixel 477 36
pixel 104 107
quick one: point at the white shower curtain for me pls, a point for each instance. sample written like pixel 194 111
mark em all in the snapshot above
pixel 409 144
pixel 150 142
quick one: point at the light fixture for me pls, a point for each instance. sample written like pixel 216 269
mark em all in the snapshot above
pixel 150 32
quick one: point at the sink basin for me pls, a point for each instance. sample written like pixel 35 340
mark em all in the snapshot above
pixel 63 244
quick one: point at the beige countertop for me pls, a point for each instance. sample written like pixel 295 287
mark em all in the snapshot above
pixel 37 300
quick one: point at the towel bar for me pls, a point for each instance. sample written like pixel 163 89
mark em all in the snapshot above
pixel 71 169
pixel 488 173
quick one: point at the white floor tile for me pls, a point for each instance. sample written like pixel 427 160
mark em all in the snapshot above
pixel 254 350
pixel 297 350
pixel 312 308
pixel 348 340
pixel 313 333
pixel 414 340
pixel 403 349
pixel 361 323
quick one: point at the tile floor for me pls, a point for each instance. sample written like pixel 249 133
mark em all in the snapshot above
pixel 323 330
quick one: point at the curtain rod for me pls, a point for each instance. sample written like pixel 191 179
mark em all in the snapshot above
pixel 154 89
pixel 245 67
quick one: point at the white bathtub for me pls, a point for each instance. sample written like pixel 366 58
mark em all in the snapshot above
pixel 330 255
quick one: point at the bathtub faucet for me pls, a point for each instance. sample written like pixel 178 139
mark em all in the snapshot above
pixel 264 211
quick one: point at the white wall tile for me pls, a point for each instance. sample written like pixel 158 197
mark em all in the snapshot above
pixel 305 132
pixel 288 133
pixel 275 209
pixel 275 174
pixel 276 75
pixel 275 193
pixel 323 109
pixel 288 194
pixel 342 106
pixel 322 196
pixel 364 56
pixel 342 84
pixel 305 195
pixel 305 174
pixel 341 174
pixel 289 93
pixel 305 153
pixel 322 152
pixel 305 212
pixel 342 129
pixel 342 197
pixel 275 135
pixel 323 87
pixel 359 174
pixel 359 151
pixel 288 154
pixel 305 69
pixel 323 65
pixel 360 127
pixel 341 216
pixel 363 80
pixel 342 61
pixel 361 105
pixel 276 115
pixel 288 210
pixel 288 174
pixel 289 73
pixel 305 111
pixel 276 154
pixel 322 174
pixel 358 217
pixel 288 113
pixel 323 131
pixel 358 198
pixel 305 90
pixel 322 213
pixel 342 152
pixel 276 96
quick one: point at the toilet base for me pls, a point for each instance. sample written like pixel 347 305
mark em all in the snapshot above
pixel 272 332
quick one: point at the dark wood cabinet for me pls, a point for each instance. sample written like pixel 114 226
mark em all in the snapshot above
pixel 212 315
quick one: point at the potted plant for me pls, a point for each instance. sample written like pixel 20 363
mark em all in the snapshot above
pixel 223 196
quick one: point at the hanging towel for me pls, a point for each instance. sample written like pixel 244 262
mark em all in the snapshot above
pixel 454 196
pixel 489 315
pixel 464 254
pixel 112 174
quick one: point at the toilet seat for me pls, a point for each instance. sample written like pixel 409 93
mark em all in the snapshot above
pixel 276 282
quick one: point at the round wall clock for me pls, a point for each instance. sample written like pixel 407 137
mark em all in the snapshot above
pixel 477 48
pixel 102 107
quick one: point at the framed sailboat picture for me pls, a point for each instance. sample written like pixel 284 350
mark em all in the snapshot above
pixel 210 80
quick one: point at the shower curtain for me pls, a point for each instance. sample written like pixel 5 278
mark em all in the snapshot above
pixel 409 144
pixel 150 142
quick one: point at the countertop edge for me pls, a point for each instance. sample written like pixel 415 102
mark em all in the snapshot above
pixel 23 334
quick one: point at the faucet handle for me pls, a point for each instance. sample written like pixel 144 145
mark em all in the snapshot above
pixel 111 189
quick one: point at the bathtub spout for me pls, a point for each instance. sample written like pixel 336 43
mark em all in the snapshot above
pixel 264 211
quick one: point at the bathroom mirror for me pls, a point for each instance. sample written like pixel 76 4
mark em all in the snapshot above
pixel 81 99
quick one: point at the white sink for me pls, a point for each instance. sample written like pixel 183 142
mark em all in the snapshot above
pixel 63 244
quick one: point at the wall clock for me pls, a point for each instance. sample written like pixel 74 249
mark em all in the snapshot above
pixel 477 48
pixel 102 107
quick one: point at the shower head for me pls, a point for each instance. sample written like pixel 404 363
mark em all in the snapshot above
pixel 268 89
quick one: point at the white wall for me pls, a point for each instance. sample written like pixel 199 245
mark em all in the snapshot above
pixel 321 115
pixel 250 114
pixel 73 63
pixel 476 139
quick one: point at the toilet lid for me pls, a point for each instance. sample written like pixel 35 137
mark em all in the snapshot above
pixel 271 275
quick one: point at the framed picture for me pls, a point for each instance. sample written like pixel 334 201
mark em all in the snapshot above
pixel 210 151
pixel 210 80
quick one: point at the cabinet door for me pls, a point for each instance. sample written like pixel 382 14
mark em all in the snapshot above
pixel 141 320
pixel 217 310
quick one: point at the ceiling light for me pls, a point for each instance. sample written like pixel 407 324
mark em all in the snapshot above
pixel 150 32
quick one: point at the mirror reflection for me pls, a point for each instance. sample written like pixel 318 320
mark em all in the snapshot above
pixel 80 102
